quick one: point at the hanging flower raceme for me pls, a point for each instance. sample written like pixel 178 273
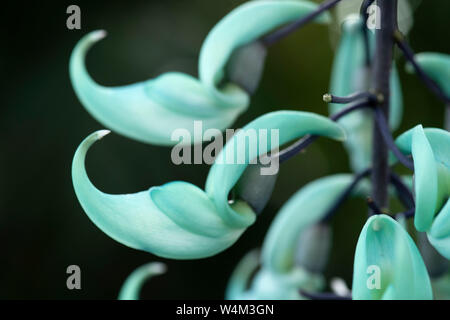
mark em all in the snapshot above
pixel 179 220
pixel 388 265
pixel 351 74
pixel 132 286
pixel 296 247
pixel 430 149
pixel 150 111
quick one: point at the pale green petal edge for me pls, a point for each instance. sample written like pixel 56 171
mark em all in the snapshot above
pixel 150 111
pixel 136 220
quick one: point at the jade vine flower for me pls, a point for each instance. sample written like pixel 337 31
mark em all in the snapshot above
pixel 350 74
pixel 132 286
pixel 386 250
pixel 179 220
pixel 296 246
pixel 430 149
pixel 150 111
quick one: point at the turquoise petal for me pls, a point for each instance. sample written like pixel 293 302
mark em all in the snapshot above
pixel 349 75
pixel 137 221
pixel 436 66
pixel 384 244
pixel 430 149
pixel 290 125
pixel 150 111
pixel 303 210
pixel 132 286
pixel 242 26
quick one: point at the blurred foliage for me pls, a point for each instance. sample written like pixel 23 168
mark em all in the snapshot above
pixel 43 228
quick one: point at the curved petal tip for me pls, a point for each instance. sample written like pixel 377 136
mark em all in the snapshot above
pixel 101 133
pixel 97 35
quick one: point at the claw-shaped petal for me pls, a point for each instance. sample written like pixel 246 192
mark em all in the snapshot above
pixel 349 75
pixel 430 149
pixel 388 265
pixel 150 111
pixel 132 286
pixel 137 221
pixel 179 220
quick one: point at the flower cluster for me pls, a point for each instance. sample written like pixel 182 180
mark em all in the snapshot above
pixel 179 220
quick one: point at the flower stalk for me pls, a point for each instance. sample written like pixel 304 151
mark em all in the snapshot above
pixel 382 63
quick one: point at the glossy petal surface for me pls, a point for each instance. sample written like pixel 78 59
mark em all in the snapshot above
pixel 384 245
pixel 430 149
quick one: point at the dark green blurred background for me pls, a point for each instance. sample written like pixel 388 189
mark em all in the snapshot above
pixel 42 226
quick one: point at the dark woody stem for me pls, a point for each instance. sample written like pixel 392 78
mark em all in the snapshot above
pixel 356 180
pixel 329 98
pixel 280 34
pixel 404 193
pixel 409 55
pixel 406 197
pixel 389 141
pixel 382 63
pixel 365 16
pixel 374 207
pixel 406 214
